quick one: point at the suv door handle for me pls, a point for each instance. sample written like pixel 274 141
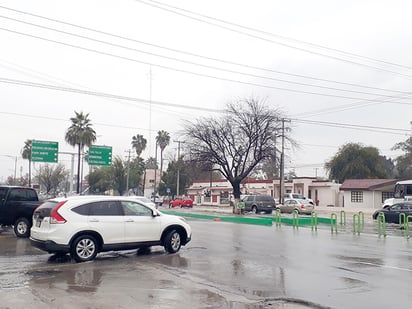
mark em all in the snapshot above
pixel 129 220
pixel 94 220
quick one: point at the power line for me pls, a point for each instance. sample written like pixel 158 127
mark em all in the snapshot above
pixel 315 112
pixel 345 107
pixel 355 126
pixel 107 95
pixel 199 64
pixel 278 36
pixel 80 91
pixel 275 42
pixel 62 82
pixel 194 73
pixel 102 94
pixel 186 53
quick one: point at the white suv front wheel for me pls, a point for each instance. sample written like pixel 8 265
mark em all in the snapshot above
pixel 172 242
pixel 84 248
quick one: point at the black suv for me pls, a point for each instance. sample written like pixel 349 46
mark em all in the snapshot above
pixel 259 203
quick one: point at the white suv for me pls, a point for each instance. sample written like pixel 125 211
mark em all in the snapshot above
pixel 86 225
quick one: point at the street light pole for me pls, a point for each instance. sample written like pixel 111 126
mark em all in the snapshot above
pixel 128 171
pixel 178 166
pixel 15 166
pixel 155 172
pixel 282 164
pixel 73 154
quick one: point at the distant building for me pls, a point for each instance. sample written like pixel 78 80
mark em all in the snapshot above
pixel 149 181
pixel 366 193
pixel 219 192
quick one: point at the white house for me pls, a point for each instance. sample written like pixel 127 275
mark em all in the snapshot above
pixel 219 192
pixel 322 192
pixel 366 193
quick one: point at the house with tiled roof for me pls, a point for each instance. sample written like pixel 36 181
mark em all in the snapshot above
pixel 219 192
pixel 366 193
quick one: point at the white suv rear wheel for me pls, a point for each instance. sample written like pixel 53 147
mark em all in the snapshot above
pixel 84 248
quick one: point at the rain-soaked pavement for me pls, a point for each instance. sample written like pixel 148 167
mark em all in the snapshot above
pixel 226 265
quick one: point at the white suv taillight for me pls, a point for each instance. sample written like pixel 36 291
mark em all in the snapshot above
pixel 55 217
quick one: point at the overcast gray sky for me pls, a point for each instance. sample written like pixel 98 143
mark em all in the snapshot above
pixel 327 64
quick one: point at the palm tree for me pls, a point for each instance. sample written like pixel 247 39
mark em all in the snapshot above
pixel 139 144
pixel 26 154
pixel 82 134
pixel 163 140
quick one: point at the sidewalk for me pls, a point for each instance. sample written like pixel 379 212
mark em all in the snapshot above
pixel 320 210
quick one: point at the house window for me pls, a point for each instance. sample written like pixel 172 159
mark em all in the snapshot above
pixel 356 196
pixel 386 195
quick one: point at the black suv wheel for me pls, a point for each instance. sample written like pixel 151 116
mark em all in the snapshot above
pixel 22 227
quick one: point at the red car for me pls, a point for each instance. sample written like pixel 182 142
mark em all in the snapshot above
pixel 181 202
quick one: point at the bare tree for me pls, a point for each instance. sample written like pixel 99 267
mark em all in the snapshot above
pixel 51 177
pixel 236 142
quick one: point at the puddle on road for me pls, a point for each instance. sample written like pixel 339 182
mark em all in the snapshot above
pixel 12 274
pixel 360 262
pixel 279 303
pixel 13 280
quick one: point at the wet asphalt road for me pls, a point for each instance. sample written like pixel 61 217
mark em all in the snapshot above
pixel 226 265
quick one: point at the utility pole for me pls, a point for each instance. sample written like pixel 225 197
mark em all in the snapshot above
pixel 178 166
pixel 155 172
pixel 282 163
pixel 128 171
pixel 15 166
pixel 150 76
pixel 73 154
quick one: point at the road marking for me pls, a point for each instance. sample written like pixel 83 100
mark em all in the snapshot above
pixel 386 266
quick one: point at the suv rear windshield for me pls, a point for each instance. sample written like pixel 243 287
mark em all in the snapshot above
pixel 45 208
pixel 264 198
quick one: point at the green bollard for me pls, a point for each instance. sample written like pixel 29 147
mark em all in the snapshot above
pixel 356 223
pixel 342 217
pixel 333 222
pixel 402 219
pixel 381 225
pixel 314 220
pixel 406 229
pixel 295 218
pixel 361 218
pixel 278 217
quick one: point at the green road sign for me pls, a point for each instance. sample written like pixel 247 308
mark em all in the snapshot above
pixel 100 155
pixel 44 151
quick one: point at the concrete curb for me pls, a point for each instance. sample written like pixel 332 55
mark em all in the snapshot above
pixel 237 219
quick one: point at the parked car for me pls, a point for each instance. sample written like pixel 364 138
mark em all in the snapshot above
pixel 302 206
pixel 391 201
pixel 392 213
pixel 145 201
pixel 181 202
pixel 288 196
pixel 16 208
pixel 157 200
pixel 259 203
pixel 86 225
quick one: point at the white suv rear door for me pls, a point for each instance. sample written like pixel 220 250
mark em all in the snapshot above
pixel 140 225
